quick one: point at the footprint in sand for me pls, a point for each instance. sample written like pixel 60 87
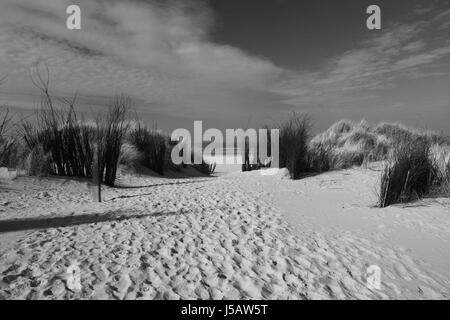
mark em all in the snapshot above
pixel 402 271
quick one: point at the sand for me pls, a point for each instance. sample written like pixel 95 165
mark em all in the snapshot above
pixel 235 236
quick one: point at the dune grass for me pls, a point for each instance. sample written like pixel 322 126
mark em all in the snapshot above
pixel 148 147
pixel 345 144
pixel 130 156
pixel 408 174
pixel 110 132
pixel 57 141
pixel 151 144
pixel 9 151
pixel 293 144
pixel 417 162
pixel 61 144
pixel 412 170
pixel 58 137
pixel 446 181
pixel 440 154
pixel 205 167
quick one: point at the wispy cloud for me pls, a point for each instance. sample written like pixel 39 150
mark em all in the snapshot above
pixel 157 52
pixel 161 53
pixel 401 52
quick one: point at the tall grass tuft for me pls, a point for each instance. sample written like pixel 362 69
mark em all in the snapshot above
pixel 293 144
pixel 111 131
pixel 38 162
pixel 446 180
pixel 57 142
pixel 10 151
pixel 441 158
pixel 60 143
pixel 60 135
pixel 320 158
pixel 130 156
pixel 409 174
pixel 205 168
pixel 5 121
pixel 151 144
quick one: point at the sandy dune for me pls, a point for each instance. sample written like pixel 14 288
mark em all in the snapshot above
pixel 236 236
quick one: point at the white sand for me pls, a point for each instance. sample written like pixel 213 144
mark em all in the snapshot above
pixel 238 236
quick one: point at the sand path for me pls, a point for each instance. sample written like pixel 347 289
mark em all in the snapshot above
pixel 238 236
pixel 335 213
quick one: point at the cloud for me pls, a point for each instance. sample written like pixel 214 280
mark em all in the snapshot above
pixel 399 52
pixel 423 58
pixel 442 15
pixel 162 54
pixel 158 52
pixel 414 46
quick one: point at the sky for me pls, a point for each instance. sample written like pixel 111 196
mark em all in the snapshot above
pixel 234 63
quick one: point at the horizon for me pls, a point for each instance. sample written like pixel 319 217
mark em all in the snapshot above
pixel 233 64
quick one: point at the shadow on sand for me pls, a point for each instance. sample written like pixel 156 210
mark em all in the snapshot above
pixel 160 184
pixel 67 221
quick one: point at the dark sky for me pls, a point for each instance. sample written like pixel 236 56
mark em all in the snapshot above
pixel 300 34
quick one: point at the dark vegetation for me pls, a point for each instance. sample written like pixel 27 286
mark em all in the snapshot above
pixel 416 162
pixel 57 141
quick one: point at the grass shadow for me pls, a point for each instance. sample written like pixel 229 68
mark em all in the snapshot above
pixel 68 221
pixel 160 184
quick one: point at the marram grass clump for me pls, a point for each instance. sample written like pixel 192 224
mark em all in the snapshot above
pixel 409 174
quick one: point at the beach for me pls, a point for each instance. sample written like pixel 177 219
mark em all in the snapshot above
pixel 237 235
